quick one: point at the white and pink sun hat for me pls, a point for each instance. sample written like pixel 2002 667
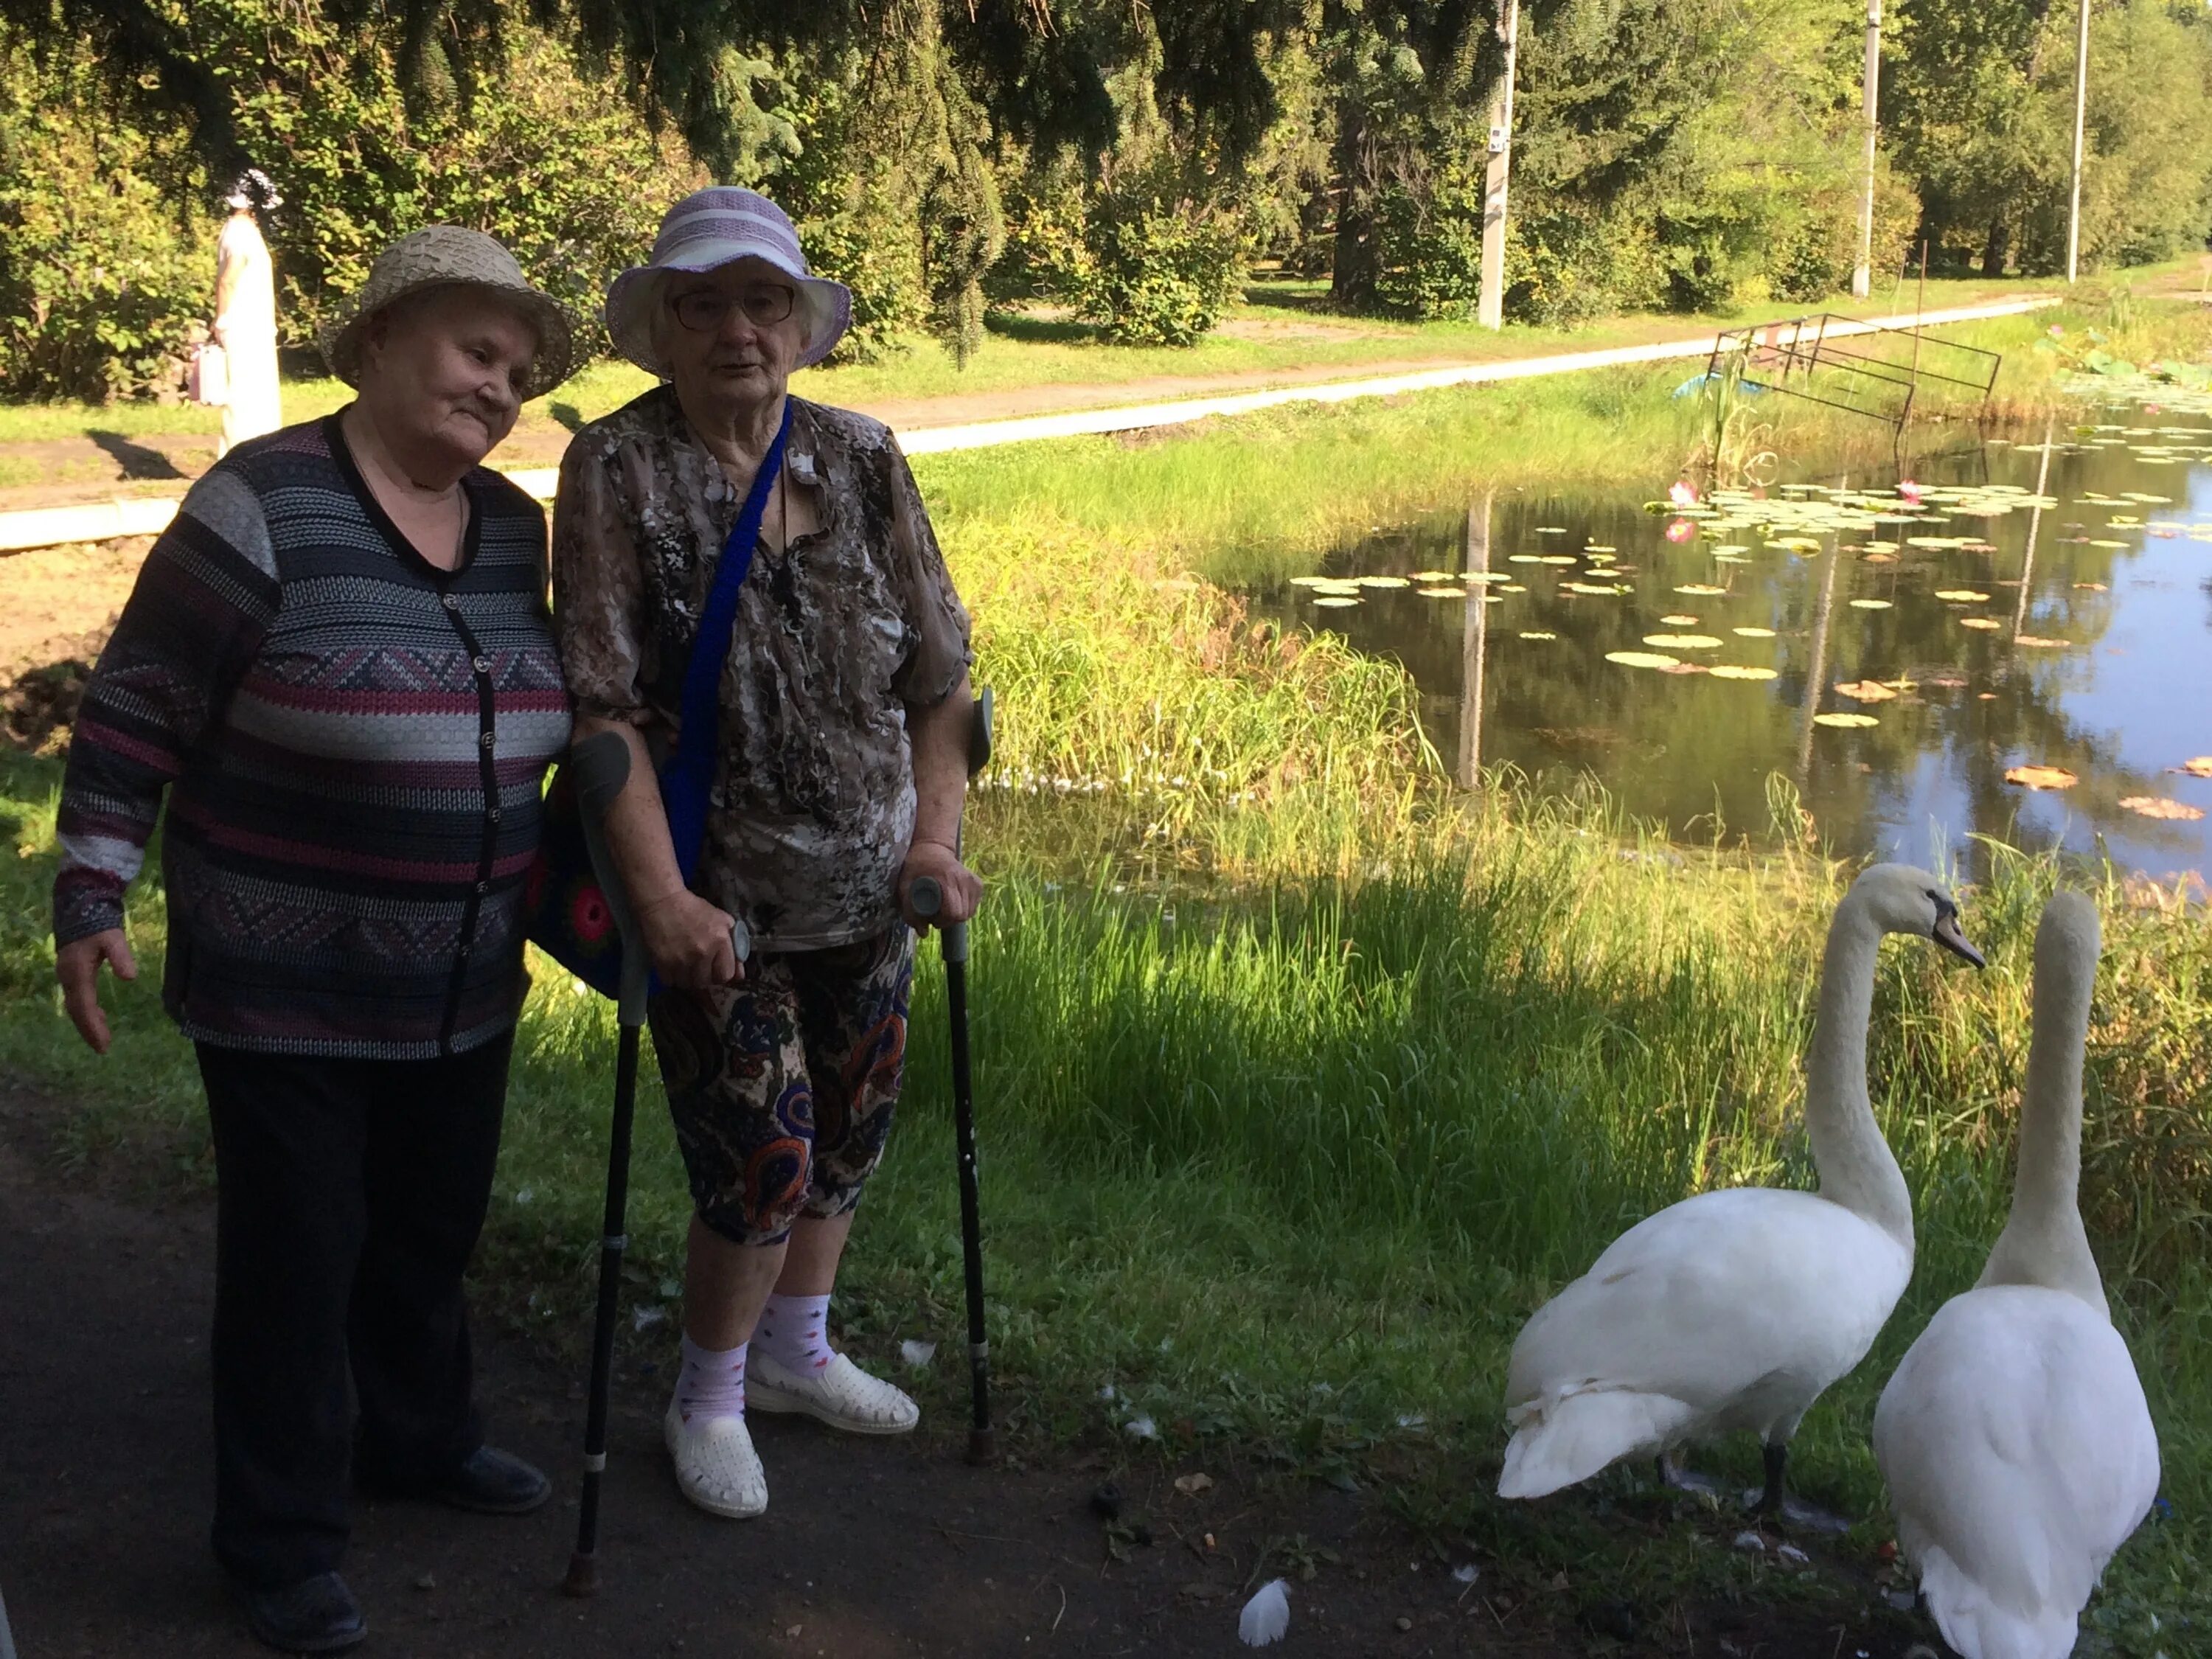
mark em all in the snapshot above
pixel 709 228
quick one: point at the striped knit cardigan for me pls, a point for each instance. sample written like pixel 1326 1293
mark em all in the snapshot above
pixel 353 742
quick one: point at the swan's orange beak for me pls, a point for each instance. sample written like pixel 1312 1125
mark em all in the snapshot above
pixel 1948 935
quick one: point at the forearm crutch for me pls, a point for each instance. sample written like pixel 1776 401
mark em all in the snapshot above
pixel 927 898
pixel 600 767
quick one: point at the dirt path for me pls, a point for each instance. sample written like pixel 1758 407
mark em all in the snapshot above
pixel 875 1549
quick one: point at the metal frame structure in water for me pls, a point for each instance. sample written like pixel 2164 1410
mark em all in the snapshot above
pixel 1860 367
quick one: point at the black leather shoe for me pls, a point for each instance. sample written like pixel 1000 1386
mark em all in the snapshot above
pixel 493 1482
pixel 317 1615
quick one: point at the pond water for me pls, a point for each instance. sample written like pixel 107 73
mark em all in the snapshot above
pixel 1895 651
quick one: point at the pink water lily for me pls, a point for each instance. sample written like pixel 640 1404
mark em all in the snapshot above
pixel 1681 529
pixel 1682 493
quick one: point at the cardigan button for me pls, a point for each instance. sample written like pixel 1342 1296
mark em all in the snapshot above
pixel 482 664
pixel 449 602
pixel 484 741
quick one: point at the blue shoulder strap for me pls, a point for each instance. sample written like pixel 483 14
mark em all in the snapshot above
pixel 689 775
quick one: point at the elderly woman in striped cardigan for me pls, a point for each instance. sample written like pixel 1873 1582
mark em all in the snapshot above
pixel 338 665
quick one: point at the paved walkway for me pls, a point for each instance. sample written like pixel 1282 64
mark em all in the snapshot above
pixel 146 515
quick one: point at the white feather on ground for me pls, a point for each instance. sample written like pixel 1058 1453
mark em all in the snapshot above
pixel 1267 1616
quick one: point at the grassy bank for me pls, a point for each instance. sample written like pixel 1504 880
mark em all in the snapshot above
pixel 1302 1086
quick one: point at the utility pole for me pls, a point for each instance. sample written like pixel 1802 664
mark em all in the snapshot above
pixel 1490 309
pixel 2081 117
pixel 1863 272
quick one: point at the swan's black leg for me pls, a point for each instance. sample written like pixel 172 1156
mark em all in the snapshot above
pixel 1775 1503
pixel 1778 1463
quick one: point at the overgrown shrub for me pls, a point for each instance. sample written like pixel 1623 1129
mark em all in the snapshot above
pixel 99 278
pixel 1430 232
pixel 1156 273
pixel 1565 264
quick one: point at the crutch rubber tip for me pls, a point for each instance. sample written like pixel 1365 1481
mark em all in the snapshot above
pixel 982 1447
pixel 583 1578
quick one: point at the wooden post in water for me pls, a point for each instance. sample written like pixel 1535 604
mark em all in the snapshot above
pixel 2034 528
pixel 1816 673
pixel 1472 638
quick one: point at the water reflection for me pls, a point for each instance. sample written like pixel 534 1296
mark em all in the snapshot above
pixel 1994 631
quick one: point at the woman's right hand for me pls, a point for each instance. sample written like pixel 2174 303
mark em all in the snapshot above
pixel 689 941
pixel 76 966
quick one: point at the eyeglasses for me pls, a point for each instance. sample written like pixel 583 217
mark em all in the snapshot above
pixel 703 310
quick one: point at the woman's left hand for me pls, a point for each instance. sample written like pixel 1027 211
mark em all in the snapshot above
pixel 962 887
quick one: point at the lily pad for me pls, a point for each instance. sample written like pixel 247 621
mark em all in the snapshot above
pixel 1442 592
pixel 1382 581
pixel 1729 670
pixel 1683 642
pixel 2038 642
pixel 1961 596
pixel 2200 767
pixel 1699 587
pixel 1680 621
pixel 1754 633
pixel 1335 601
pixel 1865 691
pixel 1538 634
pixel 1869 604
pixel 2041 777
pixel 1845 720
pixel 1987 625
pixel 1642 659
pixel 2157 807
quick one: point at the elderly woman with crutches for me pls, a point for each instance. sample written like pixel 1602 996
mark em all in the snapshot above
pixel 840 723
pixel 337 667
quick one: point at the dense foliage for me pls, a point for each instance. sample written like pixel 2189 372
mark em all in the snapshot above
pixel 1129 163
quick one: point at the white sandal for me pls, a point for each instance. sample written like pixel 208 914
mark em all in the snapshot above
pixel 716 1467
pixel 841 1395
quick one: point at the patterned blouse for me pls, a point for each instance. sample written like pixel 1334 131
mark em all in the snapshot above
pixel 836 637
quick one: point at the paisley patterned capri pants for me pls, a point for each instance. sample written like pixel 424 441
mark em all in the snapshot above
pixel 782 1087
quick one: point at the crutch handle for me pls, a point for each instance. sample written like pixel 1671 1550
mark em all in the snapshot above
pixel 927 898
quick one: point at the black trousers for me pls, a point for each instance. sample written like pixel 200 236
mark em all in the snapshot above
pixel 351 1193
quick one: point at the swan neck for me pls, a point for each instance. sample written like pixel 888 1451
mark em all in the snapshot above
pixel 1857 1169
pixel 2043 1242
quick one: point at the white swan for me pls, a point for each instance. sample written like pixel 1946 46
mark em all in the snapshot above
pixel 2015 1438
pixel 1734 1310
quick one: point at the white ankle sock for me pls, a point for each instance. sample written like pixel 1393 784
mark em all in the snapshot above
pixel 713 1381
pixel 794 1332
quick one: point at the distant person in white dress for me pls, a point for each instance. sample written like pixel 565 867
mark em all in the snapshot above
pixel 245 315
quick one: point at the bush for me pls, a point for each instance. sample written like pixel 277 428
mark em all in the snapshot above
pixel 1431 245
pixel 1156 274
pixel 1565 264
pixel 99 281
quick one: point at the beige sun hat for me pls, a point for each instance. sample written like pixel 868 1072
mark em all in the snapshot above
pixel 440 256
